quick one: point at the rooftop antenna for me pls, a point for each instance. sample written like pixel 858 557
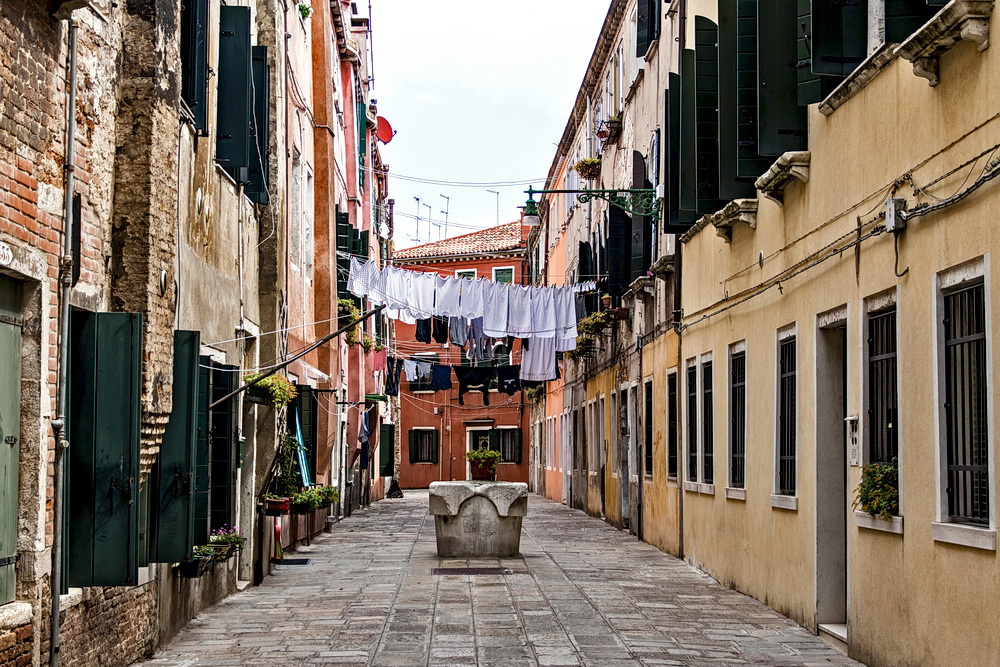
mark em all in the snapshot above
pixel 417 232
pixel 447 205
pixel 498 204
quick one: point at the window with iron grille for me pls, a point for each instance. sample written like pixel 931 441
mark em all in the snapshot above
pixel 672 425
pixel 786 417
pixel 692 423
pixel 882 430
pixel 737 419
pixel 966 408
pixel 707 430
pixel 647 423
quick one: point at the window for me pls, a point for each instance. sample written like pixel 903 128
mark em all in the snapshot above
pixel 786 417
pixel 423 445
pixel 737 419
pixel 647 423
pixel 470 274
pixel 882 430
pixel 233 119
pixel 10 427
pixel 508 443
pixel 423 382
pixel 615 430
pixel 707 430
pixel 966 407
pixel 672 425
pixel 503 274
pixel 194 60
pixel 692 421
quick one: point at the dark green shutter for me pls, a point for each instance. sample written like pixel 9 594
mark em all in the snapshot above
pixel 306 407
pixel 194 60
pixel 223 447
pixel 643 33
pixel 641 256
pixel 782 121
pixel 842 42
pixel 345 243
pixel 256 189
pixel 203 454
pixel 103 458
pixel 434 446
pixel 812 85
pixel 10 431
pixel 386 449
pixel 706 69
pixel 362 114
pixel 619 234
pixel 494 439
pixel 904 17
pixel 173 509
pixel 414 452
pixel 688 135
pixel 677 221
pixel 232 141
pixel 739 162
pixel 517 446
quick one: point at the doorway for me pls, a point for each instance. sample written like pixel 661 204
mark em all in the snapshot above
pixel 832 494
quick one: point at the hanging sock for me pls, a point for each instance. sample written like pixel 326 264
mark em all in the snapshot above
pixel 440 377
pixel 509 379
pixel 423 333
pixel 440 329
pixel 479 378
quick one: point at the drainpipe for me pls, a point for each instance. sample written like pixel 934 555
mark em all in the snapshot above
pixel 681 459
pixel 59 425
pixel 640 395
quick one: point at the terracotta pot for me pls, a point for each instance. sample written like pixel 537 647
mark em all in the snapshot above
pixel 482 472
pixel 277 506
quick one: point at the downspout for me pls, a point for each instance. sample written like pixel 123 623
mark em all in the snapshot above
pixel 59 424
pixel 640 455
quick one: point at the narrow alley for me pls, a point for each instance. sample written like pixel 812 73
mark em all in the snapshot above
pixel 583 593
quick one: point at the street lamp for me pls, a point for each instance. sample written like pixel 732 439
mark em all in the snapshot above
pixel 530 217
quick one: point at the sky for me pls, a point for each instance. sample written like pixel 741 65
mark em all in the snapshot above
pixel 477 92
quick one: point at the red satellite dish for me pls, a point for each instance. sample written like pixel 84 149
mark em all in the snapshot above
pixel 384 131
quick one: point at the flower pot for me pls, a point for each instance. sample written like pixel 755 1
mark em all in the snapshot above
pixel 482 471
pixel 258 395
pixel 194 568
pixel 606 300
pixel 299 508
pixel 277 506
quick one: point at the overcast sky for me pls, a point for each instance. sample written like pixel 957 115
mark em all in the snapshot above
pixel 476 92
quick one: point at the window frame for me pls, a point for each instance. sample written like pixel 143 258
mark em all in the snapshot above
pixel 738 349
pixel 784 337
pixel 513 273
pixel 437 443
pixel 875 308
pixel 459 273
pixel 672 423
pixel 647 427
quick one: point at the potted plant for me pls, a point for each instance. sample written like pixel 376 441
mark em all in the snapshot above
pixel 328 495
pixel 347 312
pixel 275 505
pixel 305 9
pixel 305 501
pixel 367 342
pixel 595 323
pixel 606 300
pixel 199 563
pixel 274 390
pixel 588 168
pixel 483 463
pixel 878 492
pixel 227 536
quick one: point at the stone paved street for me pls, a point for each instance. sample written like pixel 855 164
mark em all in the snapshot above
pixel 583 593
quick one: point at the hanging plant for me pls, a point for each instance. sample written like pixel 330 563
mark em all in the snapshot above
pixel 588 167
pixel 274 390
pixel 305 10
pixel 367 342
pixel 535 393
pixel 347 311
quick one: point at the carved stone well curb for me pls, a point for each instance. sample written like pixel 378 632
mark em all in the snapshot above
pixel 478 519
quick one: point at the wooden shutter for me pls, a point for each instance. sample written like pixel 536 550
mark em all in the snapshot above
pixel 643 32
pixel 344 244
pixel 434 446
pixel 640 247
pixel 10 432
pixel 842 43
pixel 232 141
pixel 494 439
pixel 194 61
pixel 740 164
pixel 619 233
pixel 904 17
pixel 677 221
pixel 386 445
pixel 688 135
pixel 706 69
pixel 102 469
pixel 203 455
pixel 223 447
pixel 173 505
pixel 256 189
pixel 782 122
pixel 517 446
pixel 414 451
pixel 306 408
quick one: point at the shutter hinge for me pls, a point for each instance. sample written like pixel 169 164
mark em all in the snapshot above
pixel 10 560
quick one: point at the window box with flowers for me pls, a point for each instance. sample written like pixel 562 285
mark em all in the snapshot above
pixel 273 390
pixel 588 168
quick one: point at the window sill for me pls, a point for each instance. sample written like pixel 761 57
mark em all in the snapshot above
pixel 790 503
pixel 733 493
pixel 423 391
pixel 866 520
pixel 957 21
pixel 15 614
pixel 698 487
pixel 966 536
pixel 634 85
pixel 859 78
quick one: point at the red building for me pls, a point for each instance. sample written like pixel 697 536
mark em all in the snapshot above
pixel 435 429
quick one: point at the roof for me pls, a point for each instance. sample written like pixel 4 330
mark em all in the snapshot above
pixel 502 238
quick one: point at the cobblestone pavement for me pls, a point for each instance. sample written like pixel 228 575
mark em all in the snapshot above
pixel 583 593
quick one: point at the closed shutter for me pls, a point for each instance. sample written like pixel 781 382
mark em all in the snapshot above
pixel 812 86
pixel 640 247
pixel 434 446
pixel 414 452
pixel 256 189
pixel 232 141
pixel 904 17
pixel 676 221
pixel 223 447
pixel 102 469
pixel 517 446
pixel 739 161
pixel 345 243
pixel 841 45
pixel 688 166
pixel 706 68
pixel 782 122
pixel 10 431
pixel 362 114
pixel 386 445
pixel 203 456
pixel 172 511
pixel 619 233
pixel 306 407
pixel 194 61
pixel 494 440
pixel 642 28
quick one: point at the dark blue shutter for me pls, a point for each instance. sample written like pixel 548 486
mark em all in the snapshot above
pixel 782 121
pixel 677 220
pixel 10 431
pixel 414 450
pixel 839 36
pixel 102 466
pixel 173 508
pixel 256 189
pixel 740 164
pixel 222 428
pixel 194 61
pixel 904 17
pixel 232 141
pixel 619 234
pixel 706 68
pixel 203 454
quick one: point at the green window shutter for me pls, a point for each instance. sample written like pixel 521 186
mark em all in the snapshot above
pixel 306 407
pixel 641 255
pixel 739 162
pixel 812 85
pixel 643 32
pixel 173 508
pixel 676 221
pixel 203 454
pixel 232 140
pixel 10 438
pixel 688 134
pixel 386 445
pixel 194 61
pixel 102 527
pixel 706 68
pixel 256 189
pixel 904 17
pixel 495 440
pixel 841 45
pixel 782 122
pixel 414 453
pixel 517 446
pixel 344 244
pixel 434 446
pixel 223 448
pixel 619 234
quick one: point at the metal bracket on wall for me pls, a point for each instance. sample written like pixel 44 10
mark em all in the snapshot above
pixel 634 202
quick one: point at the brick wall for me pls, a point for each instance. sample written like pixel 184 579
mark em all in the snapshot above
pixel 16 646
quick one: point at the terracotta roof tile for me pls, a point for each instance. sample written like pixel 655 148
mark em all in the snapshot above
pixel 493 239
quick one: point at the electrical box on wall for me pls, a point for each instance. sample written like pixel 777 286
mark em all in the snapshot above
pixel 894 220
pixel 853 449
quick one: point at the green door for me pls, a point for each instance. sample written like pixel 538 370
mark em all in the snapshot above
pixel 10 431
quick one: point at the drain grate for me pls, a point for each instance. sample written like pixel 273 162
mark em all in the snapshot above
pixel 471 570
pixel 293 561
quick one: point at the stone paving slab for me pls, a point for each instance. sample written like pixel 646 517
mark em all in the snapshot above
pixel 582 593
